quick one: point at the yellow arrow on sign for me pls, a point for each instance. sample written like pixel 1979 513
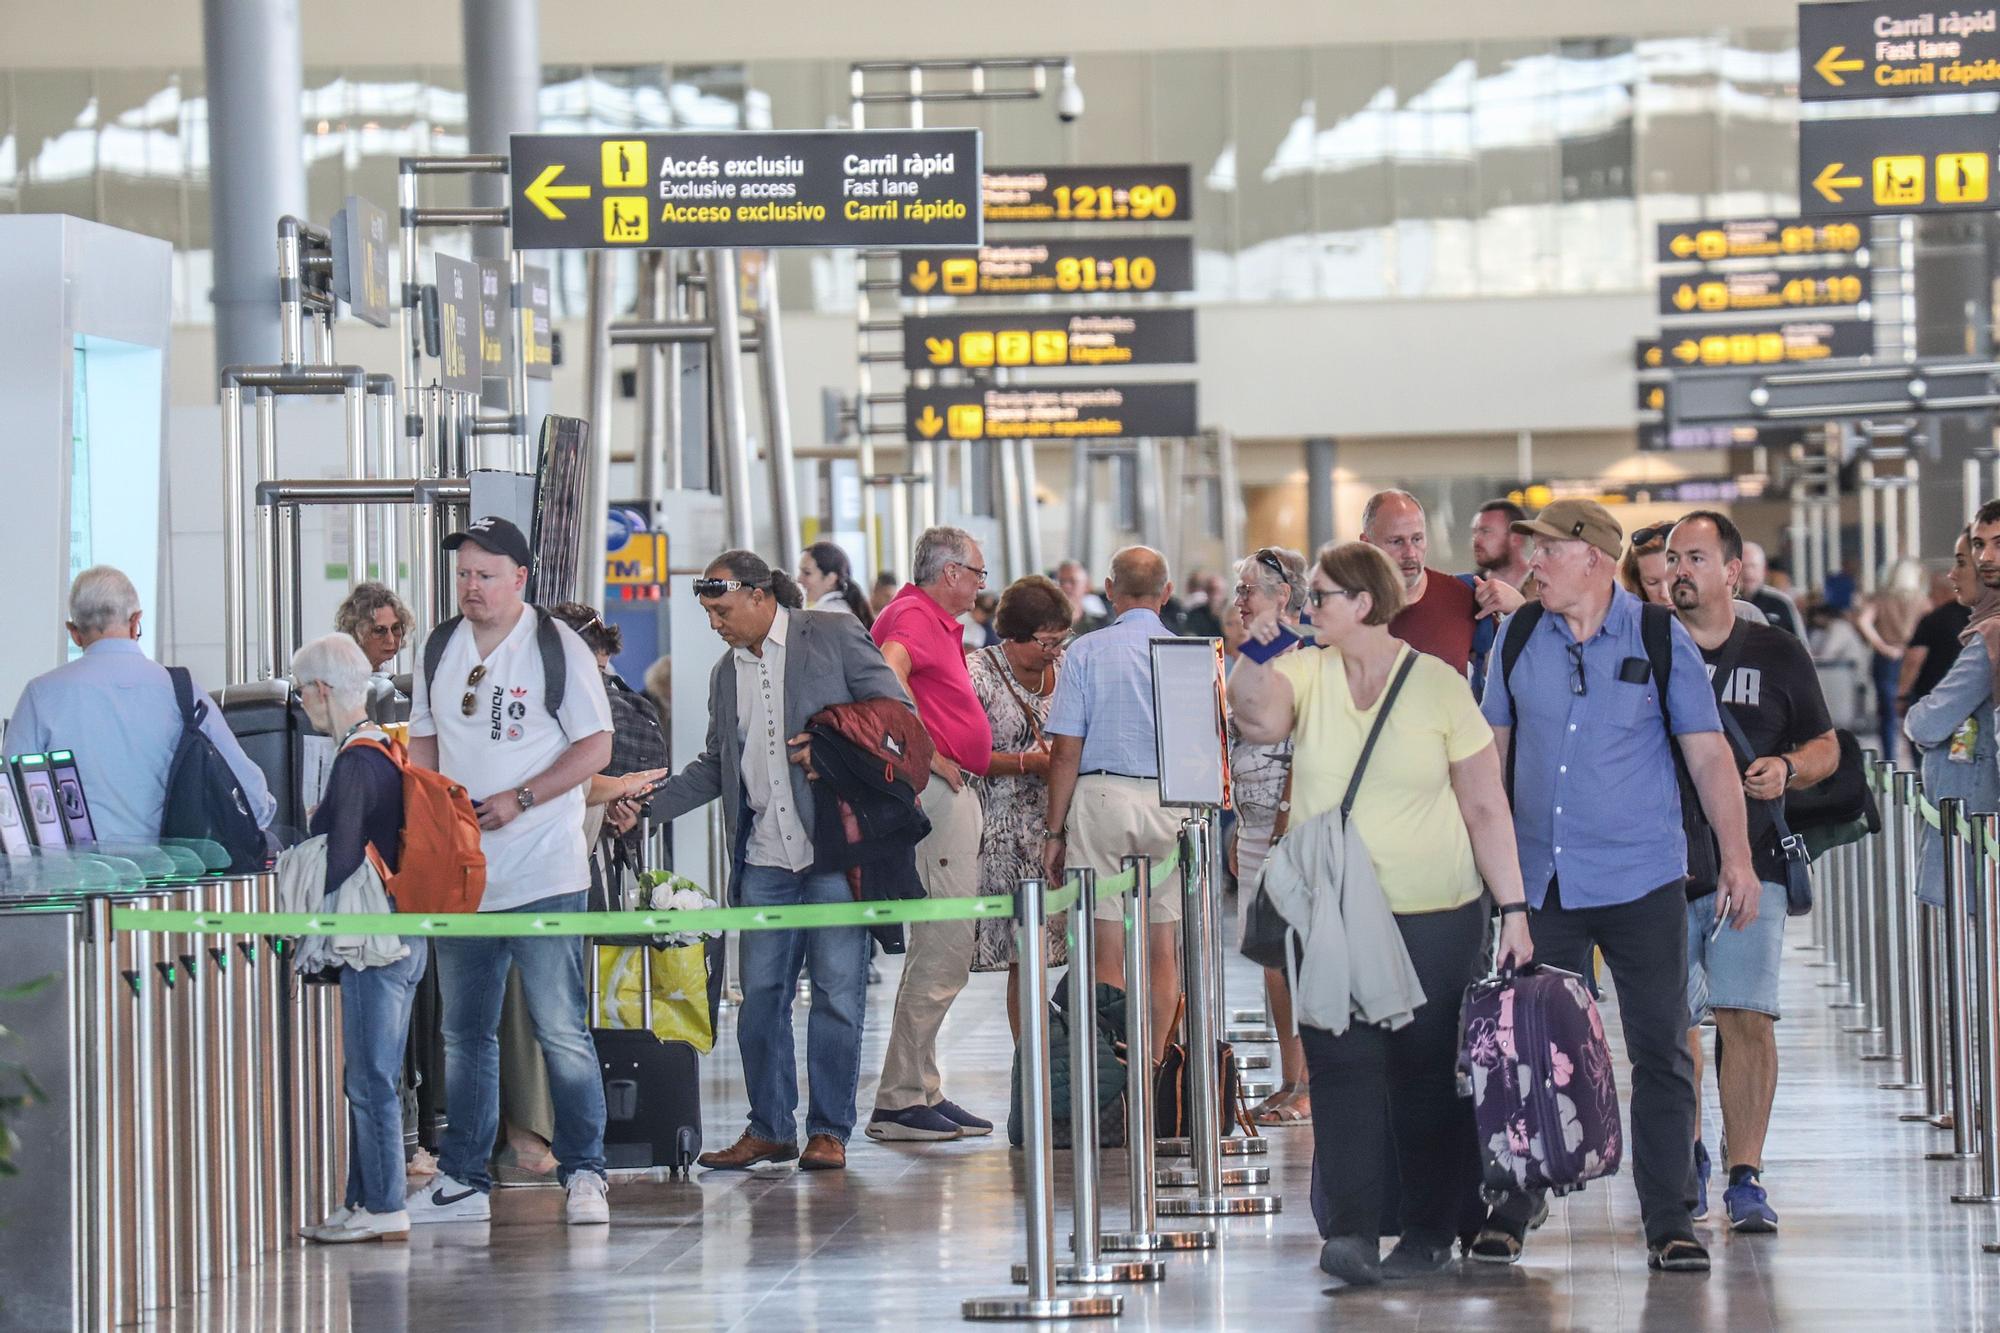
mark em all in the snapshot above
pixel 1830 182
pixel 930 423
pixel 1828 66
pixel 940 350
pixel 544 189
pixel 1682 245
pixel 925 277
pixel 1685 297
pixel 1687 350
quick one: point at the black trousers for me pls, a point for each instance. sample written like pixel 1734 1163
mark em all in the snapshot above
pixel 1375 1091
pixel 1645 946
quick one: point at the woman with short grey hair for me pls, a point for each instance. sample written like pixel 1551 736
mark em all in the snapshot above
pixel 362 810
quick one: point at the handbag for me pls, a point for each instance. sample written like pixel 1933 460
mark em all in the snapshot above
pixel 1840 808
pixel 1173 1089
pixel 1798 857
pixel 1264 926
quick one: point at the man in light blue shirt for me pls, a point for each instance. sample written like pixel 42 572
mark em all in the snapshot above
pixel 1104 767
pixel 1587 740
pixel 114 708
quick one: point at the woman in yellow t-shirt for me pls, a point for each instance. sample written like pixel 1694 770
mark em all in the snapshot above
pixel 1435 818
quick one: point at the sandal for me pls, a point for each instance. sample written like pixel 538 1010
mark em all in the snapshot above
pixel 1283 1107
pixel 1495 1244
pixel 1677 1254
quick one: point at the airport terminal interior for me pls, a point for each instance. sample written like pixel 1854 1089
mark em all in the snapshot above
pixel 647 646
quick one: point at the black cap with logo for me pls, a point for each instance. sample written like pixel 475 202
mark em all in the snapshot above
pixel 496 535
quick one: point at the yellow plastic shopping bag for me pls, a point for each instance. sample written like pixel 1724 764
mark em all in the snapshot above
pixel 679 977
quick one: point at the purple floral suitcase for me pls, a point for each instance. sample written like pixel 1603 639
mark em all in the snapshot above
pixel 1532 1055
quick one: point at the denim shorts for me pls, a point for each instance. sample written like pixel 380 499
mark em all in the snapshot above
pixel 1737 969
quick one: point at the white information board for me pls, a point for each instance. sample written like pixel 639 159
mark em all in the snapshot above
pixel 1187 722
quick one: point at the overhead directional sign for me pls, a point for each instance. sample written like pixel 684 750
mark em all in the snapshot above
pixel 1762 289
pixel 1057 412
pixel 1089 194
pixel 1055 268
pixel 1892 49
pixel 1755 238
pixel 1898 164
pixel 821 188
pixel 1791 341
pixel 1049 338
pixel 1658 437
pixel 1934 385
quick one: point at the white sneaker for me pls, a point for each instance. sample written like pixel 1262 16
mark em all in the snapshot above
pixel 448 1200
pixel 335 1220
pixel 362 1225
pixel 587 1203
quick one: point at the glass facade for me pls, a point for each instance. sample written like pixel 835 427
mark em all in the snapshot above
pixel 1430 169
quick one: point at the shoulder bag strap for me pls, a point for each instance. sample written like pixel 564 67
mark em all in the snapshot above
pixel 1519 626
pixel 999 660
pixel 1375 732
pixel 184 696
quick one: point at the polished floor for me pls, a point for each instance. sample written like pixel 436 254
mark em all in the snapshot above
pixel 1869 1241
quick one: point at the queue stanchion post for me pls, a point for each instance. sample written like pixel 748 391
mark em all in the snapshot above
pixel 1040 1300
pixel 1962 862
pixel 1861 865
pixel 1985 992
pixel 1847 962
pixel 1086 1263
pixel 1836 927
pixel 1930 966
pixel 1145 1235
pixel 1879 850
pixel 272 978
pixel 1198 935
pixel 1901 818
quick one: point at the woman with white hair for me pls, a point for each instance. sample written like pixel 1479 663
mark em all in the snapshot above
pixel 362 808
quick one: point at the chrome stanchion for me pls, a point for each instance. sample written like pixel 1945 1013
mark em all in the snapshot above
pixel 1145 1234
pixel 1986 992
pixel 1964 866
pixel 1836 927
pixel 247 1145
pixel 1041 1301
pixel 271 980
pixel 1198 934
pixel 1861 864
pixel 200 981
pixel 1880 853
pixel 1853 995
pixel 1086 1264
pixel 1901 817
pixel 112 1290
pixel 1930 966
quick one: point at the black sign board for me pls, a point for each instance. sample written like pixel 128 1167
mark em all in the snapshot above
pixel 537 349
pixel 1756 238
pixel 1055 268
pixel 495 329
pixel 458 324
pixel 361 244
pixel 1049 338
pixel 1089 194
pixel 1732 396
pixel 1756 344
pixel 1747 289
pixel 1897 164
pixel 1658 437
pixel 1057 412
pixel 1893 49
pixel 824 188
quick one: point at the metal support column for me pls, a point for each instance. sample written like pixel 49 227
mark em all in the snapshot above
pixel 733 438
pixel 597 382
pixel 1321 451
pixel 777 414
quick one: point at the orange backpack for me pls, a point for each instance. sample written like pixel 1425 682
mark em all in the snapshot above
pixel 441 867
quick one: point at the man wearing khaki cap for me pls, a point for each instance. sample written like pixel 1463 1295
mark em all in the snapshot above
pixel 1590 694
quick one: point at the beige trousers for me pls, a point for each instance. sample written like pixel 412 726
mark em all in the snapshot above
pixel 1111 818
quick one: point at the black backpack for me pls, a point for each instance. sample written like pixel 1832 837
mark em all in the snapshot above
pixel 1656 632
pixel 205 800
pixel 555 668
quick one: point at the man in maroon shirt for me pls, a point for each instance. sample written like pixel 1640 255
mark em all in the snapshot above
pixel 1440 613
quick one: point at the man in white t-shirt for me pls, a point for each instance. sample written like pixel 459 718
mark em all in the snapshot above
pixel 527 766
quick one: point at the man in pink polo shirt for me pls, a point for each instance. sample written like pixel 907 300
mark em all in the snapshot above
pixel 924 644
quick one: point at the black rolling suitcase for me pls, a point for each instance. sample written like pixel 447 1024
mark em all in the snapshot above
pixel 652 1088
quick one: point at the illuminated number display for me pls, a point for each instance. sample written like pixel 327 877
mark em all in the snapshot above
pixel 1762 289
pixel 1054 268
pixel 1706 241
pixel 1158 193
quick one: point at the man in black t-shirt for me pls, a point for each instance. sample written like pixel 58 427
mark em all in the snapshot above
pixel 1764 680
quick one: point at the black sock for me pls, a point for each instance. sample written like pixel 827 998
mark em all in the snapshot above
pixel 1739 1174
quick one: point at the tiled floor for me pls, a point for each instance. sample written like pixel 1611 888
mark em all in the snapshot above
pixel 1870 1240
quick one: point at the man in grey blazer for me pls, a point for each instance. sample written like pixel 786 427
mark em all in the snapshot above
pixel 781 668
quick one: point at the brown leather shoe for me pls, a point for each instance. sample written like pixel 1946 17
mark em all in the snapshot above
pixel 823 1153
pixel 747 1152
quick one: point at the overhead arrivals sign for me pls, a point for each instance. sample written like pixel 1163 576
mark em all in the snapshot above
pixel 1763 344
pixel 765 189
pixel 1049 338
pixel 1898 164
pixel 1896 50
pixel 1055 268
pixel 1089 194
pixel 1054 412
pixel 1762 289
pixel 1756 238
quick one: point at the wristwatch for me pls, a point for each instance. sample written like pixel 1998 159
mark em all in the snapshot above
pixel 526 797
pixel 1791 769
pixel 1048 833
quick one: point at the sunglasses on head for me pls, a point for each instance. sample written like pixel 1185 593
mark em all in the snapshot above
pixel 720 587
pixel 1647 536
pixel 1268 558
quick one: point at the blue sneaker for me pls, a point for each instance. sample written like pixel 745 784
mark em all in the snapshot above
pixel 1749 1209
pixel 969 1125
pixel 915 1124
pixel 1702 1167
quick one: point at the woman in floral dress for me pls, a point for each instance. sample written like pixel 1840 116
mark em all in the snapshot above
pixel 1014 680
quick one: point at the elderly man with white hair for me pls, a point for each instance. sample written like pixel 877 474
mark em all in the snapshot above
pixel 114 708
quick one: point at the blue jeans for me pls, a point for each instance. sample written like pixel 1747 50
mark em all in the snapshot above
pixel 374 1028
pixel 472 981
pixel 837 961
